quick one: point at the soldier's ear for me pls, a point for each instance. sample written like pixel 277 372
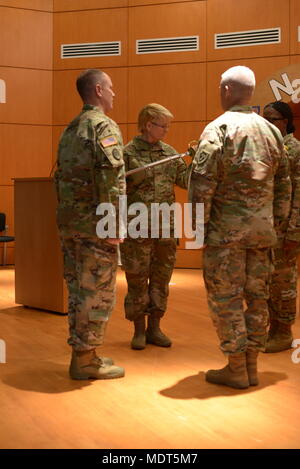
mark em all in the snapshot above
pixel 148 126
pixel 228 90
pixel 98 90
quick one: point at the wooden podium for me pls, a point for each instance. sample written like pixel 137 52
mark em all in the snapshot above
pixel 38 258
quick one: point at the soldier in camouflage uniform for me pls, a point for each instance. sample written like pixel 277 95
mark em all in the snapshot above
pixel 240 174
pixel 283 291
pixel 149 262
pixel 90 170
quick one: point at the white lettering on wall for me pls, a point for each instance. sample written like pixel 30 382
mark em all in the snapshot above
pixel 290 88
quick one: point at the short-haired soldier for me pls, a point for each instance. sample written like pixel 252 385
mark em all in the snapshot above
pixel 90 171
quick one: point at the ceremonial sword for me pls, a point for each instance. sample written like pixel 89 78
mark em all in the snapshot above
pixel 189 152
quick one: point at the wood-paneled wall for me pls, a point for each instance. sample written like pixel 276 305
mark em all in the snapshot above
pixel 228 16
pixel 40 5
pixel 26 29
pixel 185 82
pixel 41 95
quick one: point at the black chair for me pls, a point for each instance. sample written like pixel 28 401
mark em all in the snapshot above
pixel 3 238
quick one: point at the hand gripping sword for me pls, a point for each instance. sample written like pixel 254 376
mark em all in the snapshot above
pixel 189 152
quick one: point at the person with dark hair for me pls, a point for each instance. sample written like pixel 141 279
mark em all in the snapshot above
pixel 87 81
pixel 283 291
pixel 90 170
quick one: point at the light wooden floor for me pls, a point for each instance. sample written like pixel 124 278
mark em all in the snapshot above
pixel 163 401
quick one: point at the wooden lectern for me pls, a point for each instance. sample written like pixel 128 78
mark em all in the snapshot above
pixel 38 258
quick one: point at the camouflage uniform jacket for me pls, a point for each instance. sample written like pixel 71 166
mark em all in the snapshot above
pixel 90 170
pixel 155 185
pixel 241 174
pixel 292 146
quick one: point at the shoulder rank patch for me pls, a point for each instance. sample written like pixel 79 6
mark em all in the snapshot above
pixel 108 141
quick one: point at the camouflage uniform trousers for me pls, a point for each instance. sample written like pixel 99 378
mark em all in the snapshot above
pixel 234 275
pixel 148 265
pixel 90 266
pixel 283 288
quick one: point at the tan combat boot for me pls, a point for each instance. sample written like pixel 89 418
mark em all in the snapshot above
pixel 139 339
pixel 154 335
pixel 281 339
pixel 86 365
pixel 234 374
pixel 251 362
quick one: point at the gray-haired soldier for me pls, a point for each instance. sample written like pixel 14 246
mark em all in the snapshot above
pixel 240 173
pixel 90 170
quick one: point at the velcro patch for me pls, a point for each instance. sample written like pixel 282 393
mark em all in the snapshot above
pixel 109 141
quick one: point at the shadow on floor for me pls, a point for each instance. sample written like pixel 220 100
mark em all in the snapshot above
pixel 195 387
pixel 48 378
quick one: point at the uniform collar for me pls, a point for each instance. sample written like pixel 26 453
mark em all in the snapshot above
pixel 90 107
pixel 288 137
pixel 143 145
pixel 240 108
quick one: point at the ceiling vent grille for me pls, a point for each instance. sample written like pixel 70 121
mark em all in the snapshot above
pixel 93 49
pixel 257 37
pixel 170 44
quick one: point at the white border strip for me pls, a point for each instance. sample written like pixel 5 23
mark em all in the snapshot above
pixel 90 43
pixel 248 45
pixel 165 39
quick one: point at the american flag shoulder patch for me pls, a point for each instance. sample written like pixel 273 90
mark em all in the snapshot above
pixel 108 141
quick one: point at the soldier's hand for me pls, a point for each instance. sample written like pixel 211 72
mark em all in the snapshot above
pixel 192 147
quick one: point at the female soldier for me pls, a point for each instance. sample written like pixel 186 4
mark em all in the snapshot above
pixel 149 261
pixel 283 291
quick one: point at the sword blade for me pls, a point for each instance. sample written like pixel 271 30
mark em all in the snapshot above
pixel 156 163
